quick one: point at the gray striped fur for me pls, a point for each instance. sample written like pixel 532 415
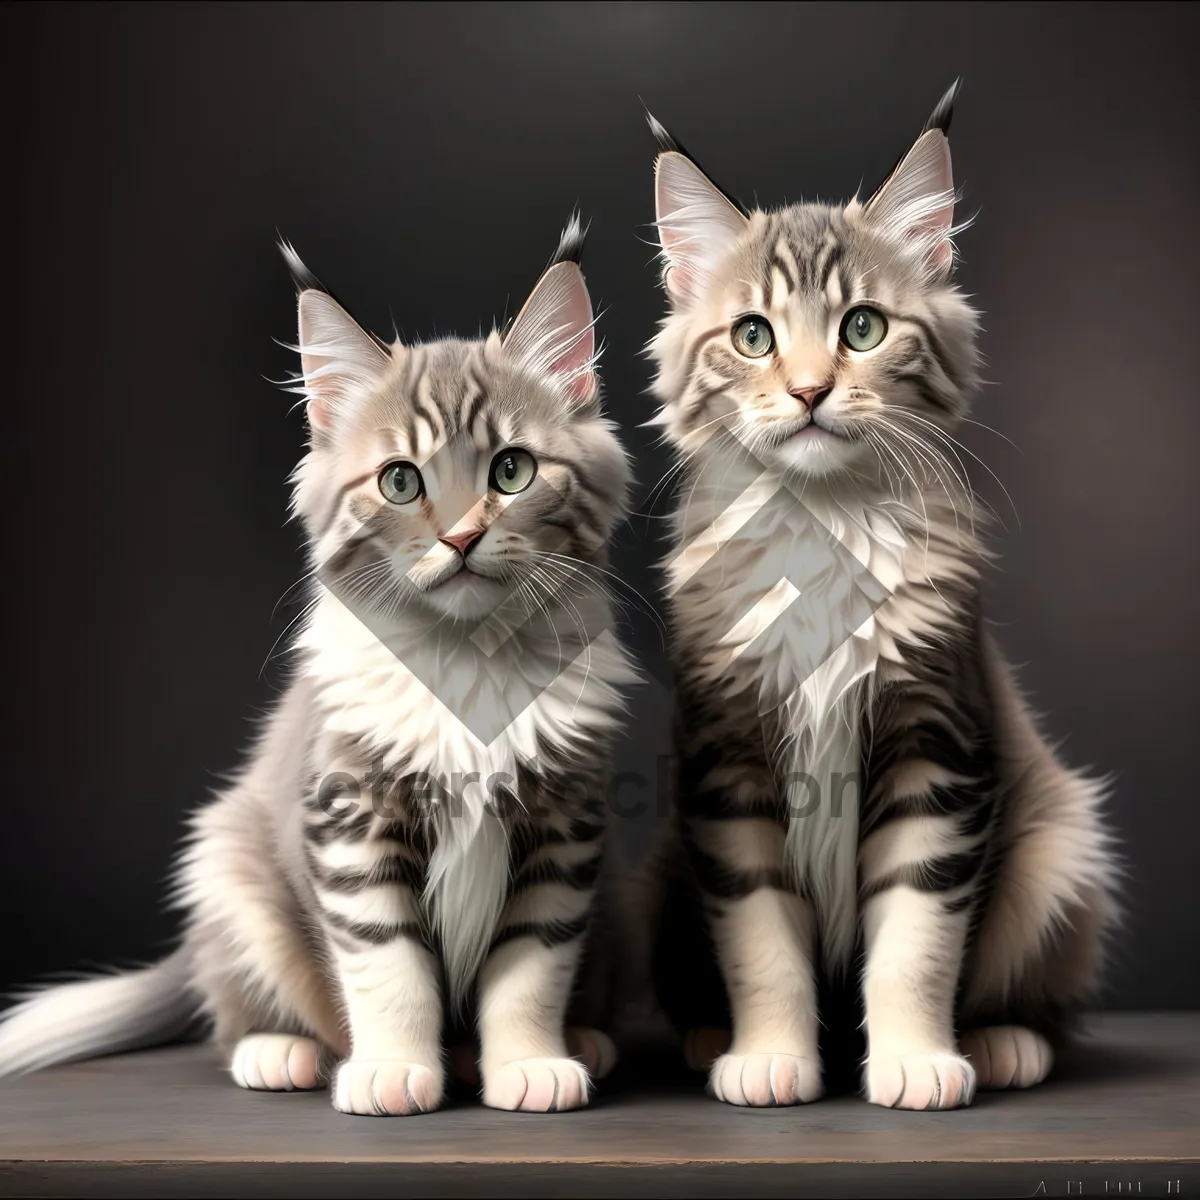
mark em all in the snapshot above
pixel 964 884
pixel 383 877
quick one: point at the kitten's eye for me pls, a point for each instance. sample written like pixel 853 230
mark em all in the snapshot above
pixel 400 483
pixel 513 471
pixel 753 337
pixel 863 328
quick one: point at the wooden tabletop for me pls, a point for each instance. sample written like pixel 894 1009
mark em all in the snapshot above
pixel 1120 1117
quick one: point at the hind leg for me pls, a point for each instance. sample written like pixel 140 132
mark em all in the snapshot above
pixel 1018 1006
pixel 1007 1056
pixel 1038 950
pixel 254 961
pixel 594 1048
pixel 261 1056
pixel 703 1045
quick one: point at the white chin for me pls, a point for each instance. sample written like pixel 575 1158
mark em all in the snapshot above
pixel 816 454
pixel 466 597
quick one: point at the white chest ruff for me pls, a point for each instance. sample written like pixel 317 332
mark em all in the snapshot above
pixel 809 640
pixel 375 691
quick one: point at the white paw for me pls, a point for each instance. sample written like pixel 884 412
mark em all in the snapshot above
pixel 701 1047
pixel 1007 1056
pixel 537 1085
pixel 386 1087
pixel 276 1062
pixel 593 1048
pixel 921 1081
pixel 764 1080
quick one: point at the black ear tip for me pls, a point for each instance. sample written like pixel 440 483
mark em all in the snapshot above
pixel 942 115
pixel 661 137
pixel 570 245
pixel 303 278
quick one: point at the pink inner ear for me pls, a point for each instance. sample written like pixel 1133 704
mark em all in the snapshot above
pixel 943 219
pixel 574 361
pixel 553 332
pixel 571 317
pixel 943 252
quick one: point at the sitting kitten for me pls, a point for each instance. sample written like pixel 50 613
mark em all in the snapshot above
pixel 419 829
pixel 825 595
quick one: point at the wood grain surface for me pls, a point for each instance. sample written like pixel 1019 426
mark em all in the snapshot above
pixel 1124 1109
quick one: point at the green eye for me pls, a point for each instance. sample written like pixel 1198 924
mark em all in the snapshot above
pixel 863 328
pixel 512 471
pixel 400 483
pixel 753 337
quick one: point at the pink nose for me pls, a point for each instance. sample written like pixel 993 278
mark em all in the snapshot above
pixel 462 542
pixel 810 397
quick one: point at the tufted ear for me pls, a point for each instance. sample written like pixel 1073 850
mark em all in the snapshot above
pixel 554 333
pixel 916 201
pixel 336 353
pixel 697 223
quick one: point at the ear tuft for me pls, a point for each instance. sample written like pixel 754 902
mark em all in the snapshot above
pixel 570 245
pixel 554 333
pixel 698 224
pixel 337 356
pixel 662 138
pixel 915 204
pixel 943 113
pixel 302 277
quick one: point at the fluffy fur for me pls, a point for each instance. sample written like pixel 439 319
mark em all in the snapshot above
pixel 861 788
pixel 416 839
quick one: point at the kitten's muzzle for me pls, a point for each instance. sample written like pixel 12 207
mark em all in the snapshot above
pixel 461 541
pixel 810 397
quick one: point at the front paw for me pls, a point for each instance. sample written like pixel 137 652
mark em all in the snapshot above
pixel 537 1085
pixel 387 1087
pixel 920 1081
pixel 765 1080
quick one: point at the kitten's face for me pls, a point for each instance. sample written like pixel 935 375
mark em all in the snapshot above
pixel 456 476
pixel 827 339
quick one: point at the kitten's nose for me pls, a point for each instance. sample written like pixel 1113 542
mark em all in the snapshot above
pixel 810 397
pixel 463 540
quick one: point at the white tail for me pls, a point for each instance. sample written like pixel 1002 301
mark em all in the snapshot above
pixel 67 1022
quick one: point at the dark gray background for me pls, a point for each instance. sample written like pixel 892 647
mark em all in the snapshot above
pixel 423 160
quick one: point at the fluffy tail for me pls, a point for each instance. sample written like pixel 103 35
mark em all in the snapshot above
pixel 71 1021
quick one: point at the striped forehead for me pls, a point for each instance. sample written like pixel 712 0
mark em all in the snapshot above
pixel 803 265
pixel 804 251
pixel 420 439
pixel 441 402
pixel 424 440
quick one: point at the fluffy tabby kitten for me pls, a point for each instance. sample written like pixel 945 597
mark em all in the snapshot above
pixel 866 808
pixel 391 861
